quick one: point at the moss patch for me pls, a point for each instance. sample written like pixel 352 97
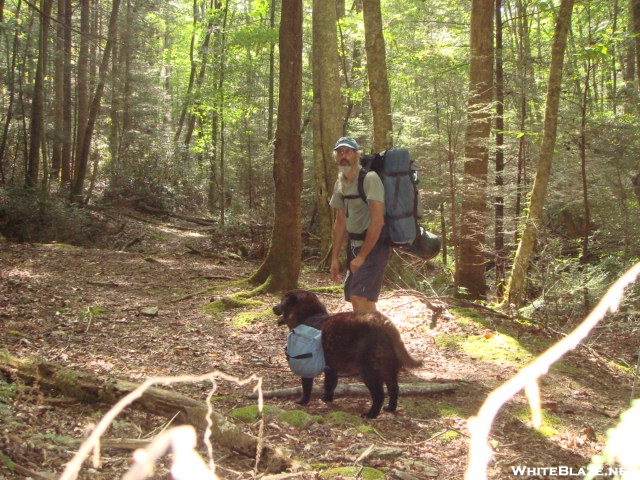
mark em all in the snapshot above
pixel 367 473
pixel 448 436
pixel 298 418
pixel 495 347
pixel 231 302
pixel 550 423
pixel 343 419
pixel 249 414
pixel 431 409
pixel 468 316
pixel 244 319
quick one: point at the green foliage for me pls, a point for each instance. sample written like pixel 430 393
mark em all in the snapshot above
pixel 30 216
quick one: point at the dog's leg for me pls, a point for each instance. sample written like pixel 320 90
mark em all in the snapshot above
pixel 330 384
pixel 307 386
pixel 394 390
pixel 375 385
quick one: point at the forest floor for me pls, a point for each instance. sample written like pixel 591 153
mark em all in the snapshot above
pixel 137 310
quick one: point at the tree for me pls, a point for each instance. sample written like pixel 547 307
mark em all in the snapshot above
pixel 379 94
pixel 281 268
pixel 84 146
pixel 37 104
pixel 515 287
pixel 470 272
pixel 327 110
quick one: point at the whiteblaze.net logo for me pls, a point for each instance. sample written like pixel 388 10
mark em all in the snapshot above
pixel 563 471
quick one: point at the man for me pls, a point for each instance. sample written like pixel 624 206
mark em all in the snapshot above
pixel 362 225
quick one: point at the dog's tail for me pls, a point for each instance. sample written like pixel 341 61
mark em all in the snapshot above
pixel 400 350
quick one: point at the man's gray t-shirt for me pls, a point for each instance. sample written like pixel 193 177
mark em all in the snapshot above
pixel 357 211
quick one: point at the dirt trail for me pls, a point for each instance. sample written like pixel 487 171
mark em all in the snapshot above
pixel 137 314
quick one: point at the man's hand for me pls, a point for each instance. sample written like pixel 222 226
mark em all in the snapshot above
pixel 356 263
pixel 335 271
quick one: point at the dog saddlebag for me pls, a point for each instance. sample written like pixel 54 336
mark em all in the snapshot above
pixel 304 351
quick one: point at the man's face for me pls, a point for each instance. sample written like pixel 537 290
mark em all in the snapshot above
pixel 345 156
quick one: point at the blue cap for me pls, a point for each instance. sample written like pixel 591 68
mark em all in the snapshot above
pixel 347 142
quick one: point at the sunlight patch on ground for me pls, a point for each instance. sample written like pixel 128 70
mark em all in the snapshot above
pixel 180 233
pixel 17 273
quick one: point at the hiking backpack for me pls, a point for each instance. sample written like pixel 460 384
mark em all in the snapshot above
pixel 304 351
pixel 401 201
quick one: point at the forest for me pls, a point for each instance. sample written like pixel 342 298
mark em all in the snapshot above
pixel 165 172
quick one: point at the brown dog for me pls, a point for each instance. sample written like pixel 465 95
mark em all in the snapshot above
pixel 367 343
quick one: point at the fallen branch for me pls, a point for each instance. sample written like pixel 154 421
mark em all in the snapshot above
pixel 357 389
pixel 166 403
pixel 480 452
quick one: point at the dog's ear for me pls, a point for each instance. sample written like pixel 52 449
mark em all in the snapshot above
pixel 290 300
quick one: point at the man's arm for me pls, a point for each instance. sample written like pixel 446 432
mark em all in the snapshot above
pixel 339 235
pixel 376 209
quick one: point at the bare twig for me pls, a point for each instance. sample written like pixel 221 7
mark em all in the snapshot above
pixel 92 443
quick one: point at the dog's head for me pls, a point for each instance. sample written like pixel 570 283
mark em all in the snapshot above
pixel 296 306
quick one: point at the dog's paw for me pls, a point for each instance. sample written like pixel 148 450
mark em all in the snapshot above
pixel 389 408
pixel 302 401
pixel 327 398
pixel 369 415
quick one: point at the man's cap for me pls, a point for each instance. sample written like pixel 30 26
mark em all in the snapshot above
pixel 347 142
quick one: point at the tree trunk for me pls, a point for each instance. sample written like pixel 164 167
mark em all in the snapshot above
pixel 83 153
pixel 470 274
pixel 327 109
pixel 515 289
pixel 36 133
pixel 281 268
pixel 379 94
pixel 499 248
pixel 82 97
pixel 67 114
pixel 165 403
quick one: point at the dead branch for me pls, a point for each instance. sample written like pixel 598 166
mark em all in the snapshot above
pixel 166 403
pixel 357 389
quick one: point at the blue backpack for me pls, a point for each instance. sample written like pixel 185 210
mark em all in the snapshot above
pixel 304 351
pixel 401 200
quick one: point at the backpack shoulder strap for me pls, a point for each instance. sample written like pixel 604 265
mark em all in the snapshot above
pixel 361 194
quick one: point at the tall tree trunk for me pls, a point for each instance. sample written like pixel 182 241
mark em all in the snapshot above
pixel 272 72
pixel 58 85
pixel 37 105
pixel 635 16
pixel 499 249
pixel 8 113
pixel 470 274
pixel 379 94
pixel 82 100
pixel 515 289
pixel 281 268
pixel 67 117
pixel 188 97
pixel 327 110
pixel 83 153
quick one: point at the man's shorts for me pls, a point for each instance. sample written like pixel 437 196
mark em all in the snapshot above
pixel 367 281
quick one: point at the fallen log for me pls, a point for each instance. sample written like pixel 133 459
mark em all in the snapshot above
pixel 89 388
pixel 356 389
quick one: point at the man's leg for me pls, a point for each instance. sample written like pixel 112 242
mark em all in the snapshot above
pixel 362 304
